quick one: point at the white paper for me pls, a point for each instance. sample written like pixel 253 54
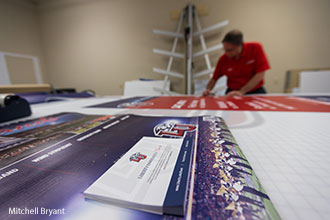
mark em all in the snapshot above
pixel 144 182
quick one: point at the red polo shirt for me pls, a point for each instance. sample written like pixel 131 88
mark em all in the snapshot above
pixel 252 60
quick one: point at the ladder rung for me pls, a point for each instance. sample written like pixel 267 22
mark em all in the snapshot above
pixel 167 33
pixel 209 50
pixel 168 53
pixel 161 71
pixel 211 28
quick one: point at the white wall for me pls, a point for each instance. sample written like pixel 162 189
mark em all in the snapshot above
pixel 19 33
pixel 99 44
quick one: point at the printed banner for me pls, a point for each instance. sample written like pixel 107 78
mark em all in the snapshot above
pixel 240 103
pixel 141 178
pixel 46 164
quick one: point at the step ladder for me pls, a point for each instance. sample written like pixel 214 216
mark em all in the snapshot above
pixel 189 16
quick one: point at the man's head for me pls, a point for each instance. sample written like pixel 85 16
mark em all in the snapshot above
pixel 233 43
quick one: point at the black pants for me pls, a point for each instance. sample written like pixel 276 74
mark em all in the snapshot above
pixel 260 90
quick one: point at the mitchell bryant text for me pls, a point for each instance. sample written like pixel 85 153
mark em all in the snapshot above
pixel 35 211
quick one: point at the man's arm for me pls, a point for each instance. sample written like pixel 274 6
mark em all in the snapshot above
pixel 209 87
pixel 248 86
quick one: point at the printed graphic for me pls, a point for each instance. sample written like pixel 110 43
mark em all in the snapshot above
pixel 243 103
pixel 148 182
pixel 226 181
pixel 172 129
pixel 46 164
pixel 137 157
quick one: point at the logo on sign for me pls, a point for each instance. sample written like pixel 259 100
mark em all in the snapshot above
pixel 173 129
pixel 137 157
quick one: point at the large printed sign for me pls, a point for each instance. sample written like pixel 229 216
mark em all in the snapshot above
pixel 46 164
pixel 242 103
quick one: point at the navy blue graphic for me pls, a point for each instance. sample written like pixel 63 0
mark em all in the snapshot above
pixel 52 164
pixel 124 103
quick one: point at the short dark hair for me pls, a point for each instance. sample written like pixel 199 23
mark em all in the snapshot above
pixel 234 37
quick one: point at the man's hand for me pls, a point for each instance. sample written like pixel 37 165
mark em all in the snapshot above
pixel 209 87
pixel 206 92
pixel 235 93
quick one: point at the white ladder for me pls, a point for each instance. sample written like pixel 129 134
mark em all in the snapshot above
pixel 188 13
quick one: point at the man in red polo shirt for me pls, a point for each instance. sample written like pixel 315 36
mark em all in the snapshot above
pixel 244 64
